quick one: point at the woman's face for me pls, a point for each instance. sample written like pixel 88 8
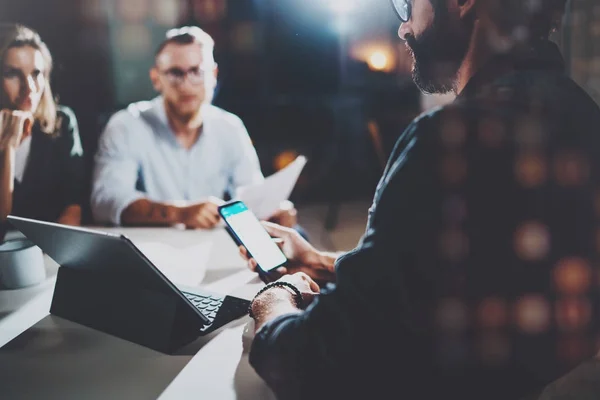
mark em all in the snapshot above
pixel 23 79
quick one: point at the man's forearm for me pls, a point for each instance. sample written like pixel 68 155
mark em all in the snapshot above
pixel 146 212
pixel 71 215
pixel 271 304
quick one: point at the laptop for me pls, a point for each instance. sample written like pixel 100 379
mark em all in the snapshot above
pixel 107 283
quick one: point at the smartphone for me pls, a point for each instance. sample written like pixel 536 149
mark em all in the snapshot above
pixel 246 230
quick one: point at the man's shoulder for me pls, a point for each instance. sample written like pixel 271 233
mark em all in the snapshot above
pixel 456 117
pixel 447 124
pixel 428 122
pixel 133 112
pixel 134 118
pixel 222 118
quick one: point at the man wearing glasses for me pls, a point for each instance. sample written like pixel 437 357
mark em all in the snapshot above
pixel 474 277
pixel 171 160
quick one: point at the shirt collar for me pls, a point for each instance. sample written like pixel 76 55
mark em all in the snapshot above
pixel 541 56
pixel 161 112
pixel 158 104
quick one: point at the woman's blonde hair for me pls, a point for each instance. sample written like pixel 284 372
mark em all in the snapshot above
pixel 16 35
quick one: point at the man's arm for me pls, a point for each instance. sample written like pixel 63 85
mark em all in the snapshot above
pixel 146 212
pixel 203 215
pixel 296 352
pixel 275 303
pixel 115 173
pixel 115 199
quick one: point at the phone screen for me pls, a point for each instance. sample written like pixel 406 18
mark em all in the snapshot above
pixel 250 233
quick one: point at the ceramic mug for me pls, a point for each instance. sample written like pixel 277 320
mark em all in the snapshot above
pixel 21 264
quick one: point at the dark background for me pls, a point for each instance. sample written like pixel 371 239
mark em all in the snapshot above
pixel 284 69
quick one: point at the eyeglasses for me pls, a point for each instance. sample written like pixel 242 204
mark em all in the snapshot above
pixel 176 76
pixel 403 8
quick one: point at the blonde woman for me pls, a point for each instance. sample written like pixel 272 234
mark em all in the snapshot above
pixel 41 164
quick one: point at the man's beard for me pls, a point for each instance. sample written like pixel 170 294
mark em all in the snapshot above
pixel 438 53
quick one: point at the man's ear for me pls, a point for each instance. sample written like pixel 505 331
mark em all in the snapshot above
pixel 216 71
pixel 467 8
pixel 154 78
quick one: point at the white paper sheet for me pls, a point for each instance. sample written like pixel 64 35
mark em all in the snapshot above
pixel 185 266
pixel 264 198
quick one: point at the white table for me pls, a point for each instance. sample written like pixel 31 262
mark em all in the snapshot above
pixel 47 357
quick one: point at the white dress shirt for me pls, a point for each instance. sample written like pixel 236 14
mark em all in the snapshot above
pixel 139 157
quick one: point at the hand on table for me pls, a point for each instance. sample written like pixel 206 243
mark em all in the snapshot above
pixel 204 215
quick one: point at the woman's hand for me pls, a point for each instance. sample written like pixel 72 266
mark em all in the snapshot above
pixel 15 126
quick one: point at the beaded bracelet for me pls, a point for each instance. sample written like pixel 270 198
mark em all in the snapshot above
pixel 297 294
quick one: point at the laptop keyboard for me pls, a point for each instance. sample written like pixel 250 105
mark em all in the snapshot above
pixel 210 305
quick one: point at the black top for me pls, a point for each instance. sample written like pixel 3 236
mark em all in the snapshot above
pixel 54 175
pixel 475 278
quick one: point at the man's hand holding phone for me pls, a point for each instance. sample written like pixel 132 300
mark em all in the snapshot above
pixel 295 264
pixel 301 255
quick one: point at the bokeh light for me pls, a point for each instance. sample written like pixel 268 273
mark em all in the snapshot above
pixel 573 313
pixel 284 159
pixel 132 11
pixel 492 313
pixel 532 241
pixel 571 169
pixel 531 170
pixel 378 61
pixel 572 275
pixel 167 12
pixel 133 41
pixel 532 314
pixel 378 54
pixel 209 10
